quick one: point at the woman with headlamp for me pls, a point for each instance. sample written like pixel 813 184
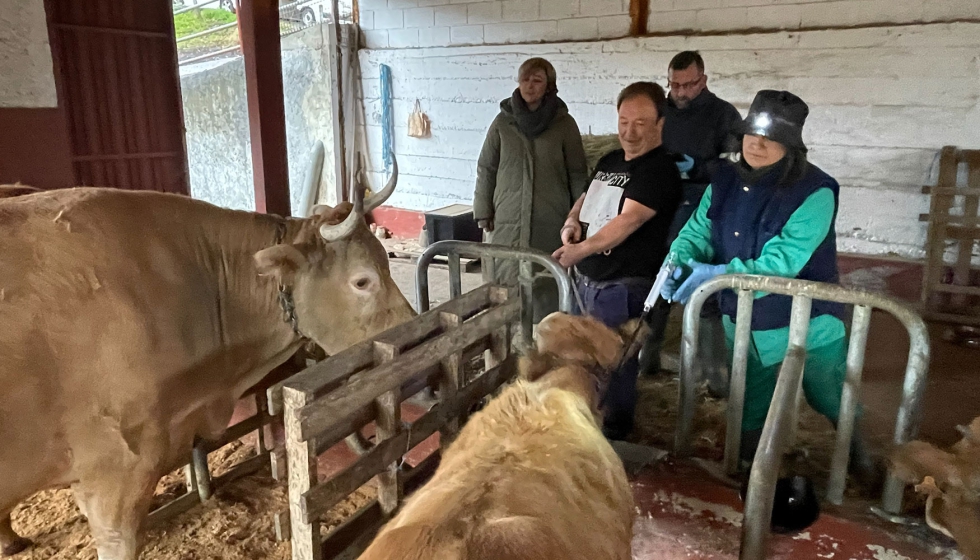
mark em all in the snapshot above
pixel 772 213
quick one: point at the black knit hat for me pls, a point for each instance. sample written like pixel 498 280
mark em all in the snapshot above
pixel 778 115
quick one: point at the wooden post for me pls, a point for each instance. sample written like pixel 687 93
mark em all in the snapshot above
pixel 450 382
pixel 302 474
pixel 258 26
pixel 388 424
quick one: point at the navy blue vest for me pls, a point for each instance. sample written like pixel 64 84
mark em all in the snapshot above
pixel 744 217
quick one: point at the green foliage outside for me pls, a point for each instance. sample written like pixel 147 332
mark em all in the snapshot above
pixel 203 19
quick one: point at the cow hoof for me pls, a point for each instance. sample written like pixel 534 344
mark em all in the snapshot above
pixel 16 547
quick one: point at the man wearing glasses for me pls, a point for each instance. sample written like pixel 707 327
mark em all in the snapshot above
pixel 697 130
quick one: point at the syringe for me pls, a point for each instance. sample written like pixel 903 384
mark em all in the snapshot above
pixel 666 271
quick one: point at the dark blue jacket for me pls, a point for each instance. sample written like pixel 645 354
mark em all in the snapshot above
pixel 758 213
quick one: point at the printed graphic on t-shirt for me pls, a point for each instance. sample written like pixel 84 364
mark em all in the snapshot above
pixel 602 200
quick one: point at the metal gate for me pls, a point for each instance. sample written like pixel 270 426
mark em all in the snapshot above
pixel 453 250
pixel 780 428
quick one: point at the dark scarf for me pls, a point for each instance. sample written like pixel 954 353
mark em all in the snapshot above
pixel 533 123
pixel 753 176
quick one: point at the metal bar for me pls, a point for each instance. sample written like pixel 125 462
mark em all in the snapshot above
pixel 195 7
pixel 736 394
pixel 207 32
pixel 210 55
pixel 455 276
pixel 849 403
pixel 765 470
pixel 910 410
pixel 471 249
pixel 799 326
pixel 689 373
pixel 199 458
pixel 525 280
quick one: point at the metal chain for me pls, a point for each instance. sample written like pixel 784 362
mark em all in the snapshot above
pixel 285 294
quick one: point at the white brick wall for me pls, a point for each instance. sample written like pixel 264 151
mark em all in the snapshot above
pixel 883 101
pixel 573 20
pixel 666 16
pixel 470 22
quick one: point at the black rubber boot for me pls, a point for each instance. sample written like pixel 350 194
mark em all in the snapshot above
pixel 750 442
pixel 868 470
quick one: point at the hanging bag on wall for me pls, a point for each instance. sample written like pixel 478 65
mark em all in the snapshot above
pixel 418 122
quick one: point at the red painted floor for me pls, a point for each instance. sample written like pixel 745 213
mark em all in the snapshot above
pixel 682 513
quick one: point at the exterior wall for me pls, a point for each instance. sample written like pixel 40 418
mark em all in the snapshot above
pixel 25 56
pixel 883 101
pixel 216 120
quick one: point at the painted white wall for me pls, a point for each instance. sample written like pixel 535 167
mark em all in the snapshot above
pixel 431 23
pixel 26 69
pixel 883 101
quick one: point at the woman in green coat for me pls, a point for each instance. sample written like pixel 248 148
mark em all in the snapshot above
pixel 531 170
pixel 773 213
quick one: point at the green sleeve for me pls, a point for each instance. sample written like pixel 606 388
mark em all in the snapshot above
pixel 694 239
pixel 786 254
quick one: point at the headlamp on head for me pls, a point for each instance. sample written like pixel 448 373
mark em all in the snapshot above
pixel 761 124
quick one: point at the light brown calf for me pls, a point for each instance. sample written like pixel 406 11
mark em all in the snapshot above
pixel 531 475
pixel 951 480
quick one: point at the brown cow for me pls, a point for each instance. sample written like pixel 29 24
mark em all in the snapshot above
pixel 531 475
pixel 132 321
pixel 10 191
pixel 951 482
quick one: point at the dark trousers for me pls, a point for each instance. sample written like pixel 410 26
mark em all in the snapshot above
pixel 615 303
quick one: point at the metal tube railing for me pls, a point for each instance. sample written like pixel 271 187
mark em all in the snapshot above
pixel 775 439
pixel 910 410
pixel 453 250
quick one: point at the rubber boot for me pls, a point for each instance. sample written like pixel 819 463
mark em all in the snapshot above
pixel 750 442
pixel 868 470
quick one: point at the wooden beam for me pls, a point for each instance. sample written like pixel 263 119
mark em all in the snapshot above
pixel 639 11
pixel 258 26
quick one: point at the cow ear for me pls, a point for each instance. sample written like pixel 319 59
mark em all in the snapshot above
pixel 281 261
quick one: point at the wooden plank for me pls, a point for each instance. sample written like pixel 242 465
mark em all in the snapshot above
pixel 954 289
pixel 950 191
pixel 387 427
pixel 322 497
pixel 325 496
pixel 417 476
pixel 172 509
pixel 318 378
pixel 940 317
pixel 302 474
pixel 249 466
pixel 340 405
pixel 323 376
pixel 450 380
pixel 939 206
pixel 961 272
pixel 239 430
pixel 351 538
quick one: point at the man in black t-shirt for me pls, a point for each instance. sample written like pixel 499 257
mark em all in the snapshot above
pixel 616 234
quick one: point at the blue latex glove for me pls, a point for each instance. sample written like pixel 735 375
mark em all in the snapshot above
pixel 686 164
pixel 672 283
pixel 700 273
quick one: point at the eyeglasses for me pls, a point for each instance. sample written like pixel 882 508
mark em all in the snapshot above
pixel 686 85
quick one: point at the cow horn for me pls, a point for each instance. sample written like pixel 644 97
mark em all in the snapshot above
pixel 385 193
pixel 336 232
